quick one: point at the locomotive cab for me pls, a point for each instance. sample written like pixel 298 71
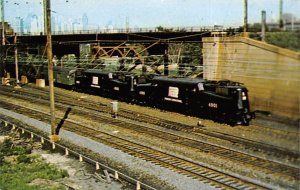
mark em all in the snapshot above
pixel 225 101
pixel 243 106
pixel 237 107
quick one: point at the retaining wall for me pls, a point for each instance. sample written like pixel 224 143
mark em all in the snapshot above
pixel 271 74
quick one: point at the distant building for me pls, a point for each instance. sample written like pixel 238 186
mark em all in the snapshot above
pixel 8 29
pixel 287 26
pixel 85 22
pixel 34 24
pixel 53 24
pixel 290 23
pixel 19 25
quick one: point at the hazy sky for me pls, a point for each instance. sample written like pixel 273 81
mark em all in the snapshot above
pixel 152 13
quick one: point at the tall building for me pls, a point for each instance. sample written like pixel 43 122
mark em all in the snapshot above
pixel 85 22
pixel 34 24
pixel 53 24
pixel 19 25
pixel 27 23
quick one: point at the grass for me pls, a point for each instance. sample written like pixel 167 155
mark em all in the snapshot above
pixel 17 174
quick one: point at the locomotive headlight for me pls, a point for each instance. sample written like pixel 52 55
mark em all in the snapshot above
pixel 244 97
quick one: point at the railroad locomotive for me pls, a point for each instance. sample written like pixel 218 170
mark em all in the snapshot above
pixel 223 101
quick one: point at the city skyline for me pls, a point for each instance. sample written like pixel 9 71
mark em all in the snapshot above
pixel 119 14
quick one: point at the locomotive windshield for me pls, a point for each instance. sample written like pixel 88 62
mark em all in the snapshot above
pixel 240 100
pixel 200 86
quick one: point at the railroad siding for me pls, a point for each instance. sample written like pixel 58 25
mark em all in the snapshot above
pixel 271 74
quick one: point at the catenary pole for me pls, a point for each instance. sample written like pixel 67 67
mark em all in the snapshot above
pixel 45 16
pixel 16 62
pixel 245 16
pixel 263 26
pixel 3 23
pixel 280 15
pixel 3 39
pixel 53 136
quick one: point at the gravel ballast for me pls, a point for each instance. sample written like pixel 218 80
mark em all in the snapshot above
pixel 168 177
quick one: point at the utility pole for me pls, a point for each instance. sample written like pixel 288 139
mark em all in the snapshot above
pixel 263 26
pixel 45 16
pixel 3 39
pixel 3 24
pixel 53 137
pixel 16 62
pixel 245 16
pixel 280 15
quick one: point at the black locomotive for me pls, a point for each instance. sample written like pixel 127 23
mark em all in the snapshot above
pixel 223 101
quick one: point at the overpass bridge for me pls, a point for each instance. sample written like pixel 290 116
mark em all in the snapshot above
pixel 155 40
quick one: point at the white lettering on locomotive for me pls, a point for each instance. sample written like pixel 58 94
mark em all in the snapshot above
pixel 95 86
pixel 173 100
pixel 212 105
pixel 173 92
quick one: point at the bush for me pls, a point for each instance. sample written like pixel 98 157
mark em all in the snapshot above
pixel 5 149
pixel 24 159
pixel 289 40
pixel 17 175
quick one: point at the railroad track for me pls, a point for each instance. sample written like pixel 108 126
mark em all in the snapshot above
pixel 191 169
pixel 222 152
pixel 255 146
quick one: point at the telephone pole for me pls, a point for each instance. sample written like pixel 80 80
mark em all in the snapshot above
pixel 3 39
pixel 16 62
pixel 3 24
pixel 53 137
pixel 280 15
pixel 45 16
pixel 245 16
pixel 263 26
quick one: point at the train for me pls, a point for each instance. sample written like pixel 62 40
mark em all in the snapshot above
pixel 223 101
